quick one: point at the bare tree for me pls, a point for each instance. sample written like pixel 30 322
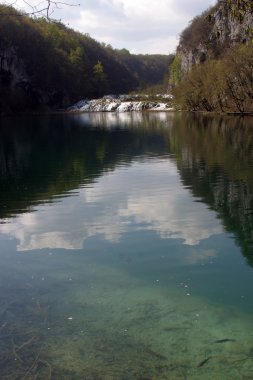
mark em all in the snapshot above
pixel 43 8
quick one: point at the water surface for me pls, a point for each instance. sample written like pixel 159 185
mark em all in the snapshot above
pixel 126 245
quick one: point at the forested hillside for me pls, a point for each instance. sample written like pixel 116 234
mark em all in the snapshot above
pixel 47 64
pixel 213 67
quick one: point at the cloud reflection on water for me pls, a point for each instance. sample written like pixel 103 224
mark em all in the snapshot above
pixel 146 196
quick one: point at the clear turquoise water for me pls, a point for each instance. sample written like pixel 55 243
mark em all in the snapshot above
pixel 126 247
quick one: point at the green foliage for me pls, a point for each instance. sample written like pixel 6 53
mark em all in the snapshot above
pixel 175 71
pixel 100 79
pixel 61 65
pixel 76 56
pixel 98 71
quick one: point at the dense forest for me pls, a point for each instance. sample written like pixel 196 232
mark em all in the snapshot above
pixel 45 63
pixel 212 70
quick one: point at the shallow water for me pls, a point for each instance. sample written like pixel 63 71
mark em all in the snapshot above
pixel 126 247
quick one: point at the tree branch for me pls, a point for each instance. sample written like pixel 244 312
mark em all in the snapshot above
pixel 44 8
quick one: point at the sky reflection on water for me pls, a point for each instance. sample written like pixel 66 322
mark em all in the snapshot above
pixel 145 196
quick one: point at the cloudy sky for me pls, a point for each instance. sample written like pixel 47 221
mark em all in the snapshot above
pixel 141 26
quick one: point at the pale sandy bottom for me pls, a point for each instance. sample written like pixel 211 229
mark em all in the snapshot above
pixel 94 321
pixel 112 326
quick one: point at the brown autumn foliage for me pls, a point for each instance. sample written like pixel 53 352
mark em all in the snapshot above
pixel 224 85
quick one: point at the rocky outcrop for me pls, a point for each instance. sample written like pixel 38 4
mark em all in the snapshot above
pixel 18 92
pixel 231 30
pixel 120 104
pixel 13 79
pixel 191 57
pixel 224 31
pixel 12 70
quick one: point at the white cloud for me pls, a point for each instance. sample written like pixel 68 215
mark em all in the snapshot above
pixel 143 26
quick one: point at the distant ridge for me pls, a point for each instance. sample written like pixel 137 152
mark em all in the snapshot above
pixel 46 65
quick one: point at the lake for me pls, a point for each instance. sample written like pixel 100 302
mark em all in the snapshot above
pixel 126 247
